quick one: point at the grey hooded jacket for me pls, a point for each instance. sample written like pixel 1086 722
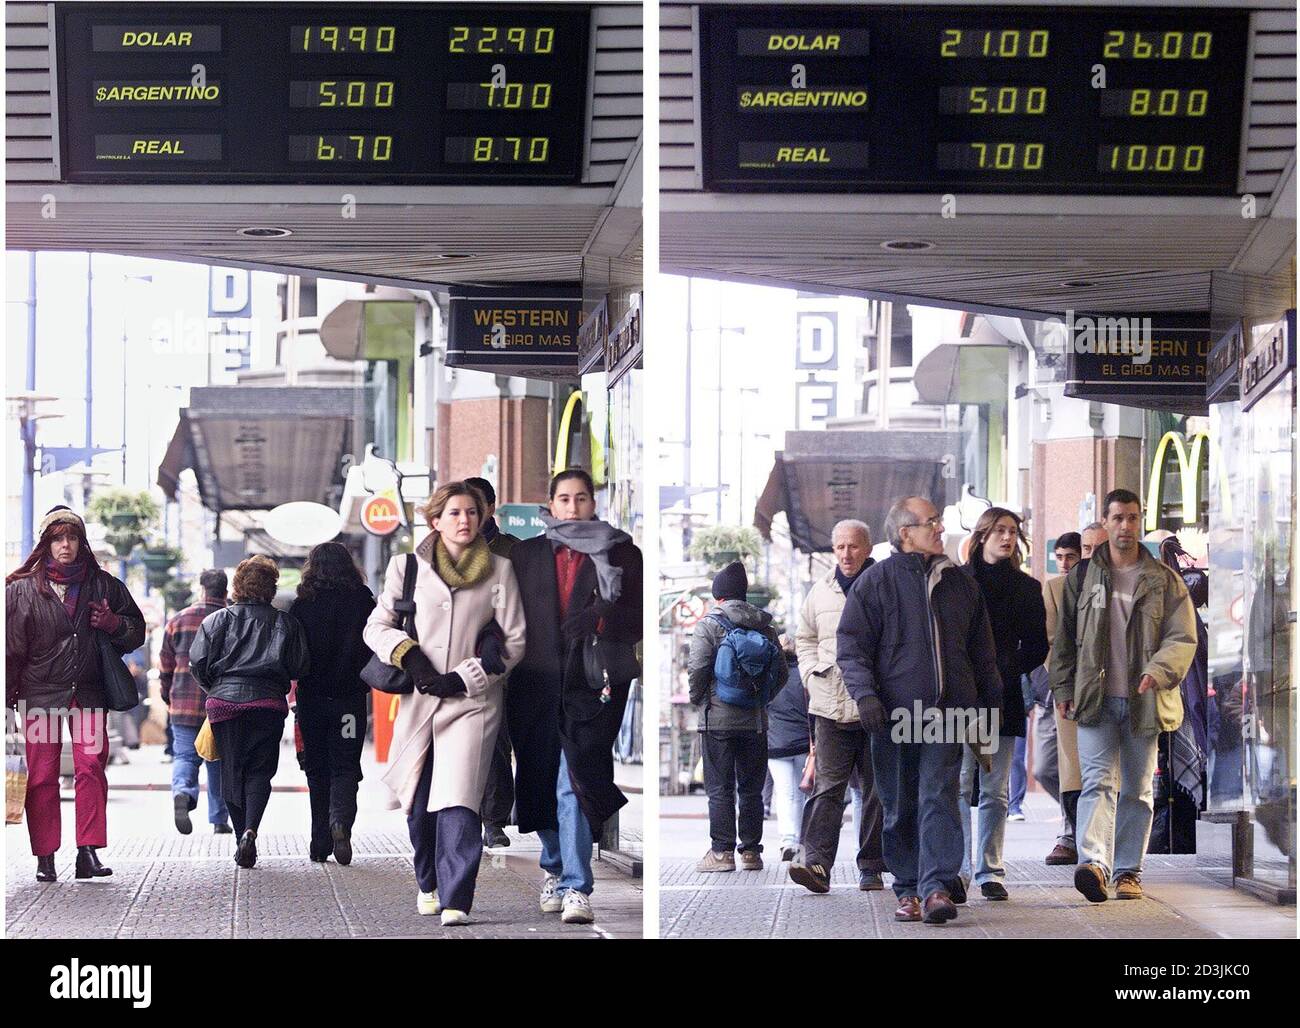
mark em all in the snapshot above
pixel 716 716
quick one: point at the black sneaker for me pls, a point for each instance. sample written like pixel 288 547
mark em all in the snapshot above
pixel 494 837
pixel 222 828
pixel 957 891
pixel 813 877
pixel 870 881
pixel 181 813
pixel 994 891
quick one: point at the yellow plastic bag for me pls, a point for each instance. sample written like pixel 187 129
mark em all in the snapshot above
pixel 205 743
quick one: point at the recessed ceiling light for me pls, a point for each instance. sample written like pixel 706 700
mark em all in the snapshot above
pixel 1077 283
pixel 907 245
pixel 264 232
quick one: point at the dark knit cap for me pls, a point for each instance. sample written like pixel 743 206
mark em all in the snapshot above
pixel 731 583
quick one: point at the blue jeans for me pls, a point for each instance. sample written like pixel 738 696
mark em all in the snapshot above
pixel 1019 777
pixel 185 773
pixel 1113 835
pixel 992 811
pixel 566 852
pixel 917 786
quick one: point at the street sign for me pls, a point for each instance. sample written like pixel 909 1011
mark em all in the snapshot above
pixel 520 519
pixel 973 98
pixel 1154 361
pixel 380 515
pixel 349 93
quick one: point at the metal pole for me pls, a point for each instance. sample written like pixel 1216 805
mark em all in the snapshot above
pixel 28 425
pixel 686 448
pixel 87 482
pixel 719 478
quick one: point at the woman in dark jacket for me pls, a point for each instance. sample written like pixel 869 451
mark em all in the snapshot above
pixel 788 743
pixel 1014 602
pixel 333 604
pixel 244 657
pixel 54 604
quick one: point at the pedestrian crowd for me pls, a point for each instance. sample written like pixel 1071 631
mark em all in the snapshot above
pixel 914 680
pixel 500 646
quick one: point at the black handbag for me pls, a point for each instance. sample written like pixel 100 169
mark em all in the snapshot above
pixel 606 664
pixel 119 687
pixel 378 673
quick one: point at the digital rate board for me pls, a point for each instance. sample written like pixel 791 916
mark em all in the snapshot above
pixel 419 94
pixel 993 100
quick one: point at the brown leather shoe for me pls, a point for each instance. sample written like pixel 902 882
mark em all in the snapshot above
pixel 1063 854
pixel 909 909
pixel 939 907
pixel 1090 880
pixel 1128 886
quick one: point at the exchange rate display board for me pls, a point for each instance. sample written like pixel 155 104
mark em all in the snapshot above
pixel 417 94
pixel 989 100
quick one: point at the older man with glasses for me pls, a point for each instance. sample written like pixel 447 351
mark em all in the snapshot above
pixel 915 635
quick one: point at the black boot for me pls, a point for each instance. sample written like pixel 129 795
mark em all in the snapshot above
pixel 320 848
pixel 246 851
pixel 45 869
pixel 88 865
pixel 342 843
pixel 181 813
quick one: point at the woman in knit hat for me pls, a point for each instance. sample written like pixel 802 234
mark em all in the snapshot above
pixel 54 603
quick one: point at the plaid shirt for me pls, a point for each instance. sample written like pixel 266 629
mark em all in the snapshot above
pixel 180 688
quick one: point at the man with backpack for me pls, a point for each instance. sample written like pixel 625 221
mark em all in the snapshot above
pixel 735 669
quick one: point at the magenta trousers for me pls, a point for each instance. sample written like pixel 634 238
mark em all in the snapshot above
pixel 44 738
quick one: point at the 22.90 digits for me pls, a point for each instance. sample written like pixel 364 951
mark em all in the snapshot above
pixel 994 43
pixel 342 39
pixel 489 39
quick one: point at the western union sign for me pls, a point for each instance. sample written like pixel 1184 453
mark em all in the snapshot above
pixel 530 324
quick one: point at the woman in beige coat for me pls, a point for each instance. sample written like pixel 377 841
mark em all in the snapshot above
pixel 470 625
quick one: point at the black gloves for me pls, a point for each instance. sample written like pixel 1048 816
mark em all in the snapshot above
pixel 871 712
pixel 450 684
pixel 581 623
pixel 490 648
pixel 426 679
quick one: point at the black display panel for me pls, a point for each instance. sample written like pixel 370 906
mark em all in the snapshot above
pixel 360 93
pixel 979 99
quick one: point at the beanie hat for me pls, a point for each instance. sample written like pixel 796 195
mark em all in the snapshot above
pixel 60 515
pixel 731 583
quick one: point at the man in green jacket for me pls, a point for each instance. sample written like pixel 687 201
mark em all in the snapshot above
pixel 1124 643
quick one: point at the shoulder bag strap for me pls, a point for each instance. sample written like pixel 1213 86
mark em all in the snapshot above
pixel 408 591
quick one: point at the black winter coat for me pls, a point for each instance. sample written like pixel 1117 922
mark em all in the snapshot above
pixel 1014 601
pixel 885 642
pixel 248 651
pixel 549 705
pixel 787 717
pixel 333 620
pixel 50 659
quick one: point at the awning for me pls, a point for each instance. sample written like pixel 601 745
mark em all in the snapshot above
pixel 963 373
pixel 255 447
pixel 821 478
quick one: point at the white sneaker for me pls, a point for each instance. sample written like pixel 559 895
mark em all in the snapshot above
pixel 428 904
pixel 577 908
pixel 451 918
pixel 550 900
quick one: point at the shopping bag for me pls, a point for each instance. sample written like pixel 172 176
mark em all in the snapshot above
pixel 205 743
pixel 15 779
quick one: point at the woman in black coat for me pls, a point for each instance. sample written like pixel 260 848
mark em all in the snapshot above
pixel 788 743
pixel 333 604
pixel 244 656
pixel 1018 618
pixel 55 604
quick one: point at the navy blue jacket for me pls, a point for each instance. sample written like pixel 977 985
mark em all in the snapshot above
pixel 886 643
pixel 787 717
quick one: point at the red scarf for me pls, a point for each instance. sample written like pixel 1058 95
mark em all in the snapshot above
pixel 72 575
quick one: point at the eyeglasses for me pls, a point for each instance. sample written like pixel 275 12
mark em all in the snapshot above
pixel 933 522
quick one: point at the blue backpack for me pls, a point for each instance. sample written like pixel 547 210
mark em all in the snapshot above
pixel 747 667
